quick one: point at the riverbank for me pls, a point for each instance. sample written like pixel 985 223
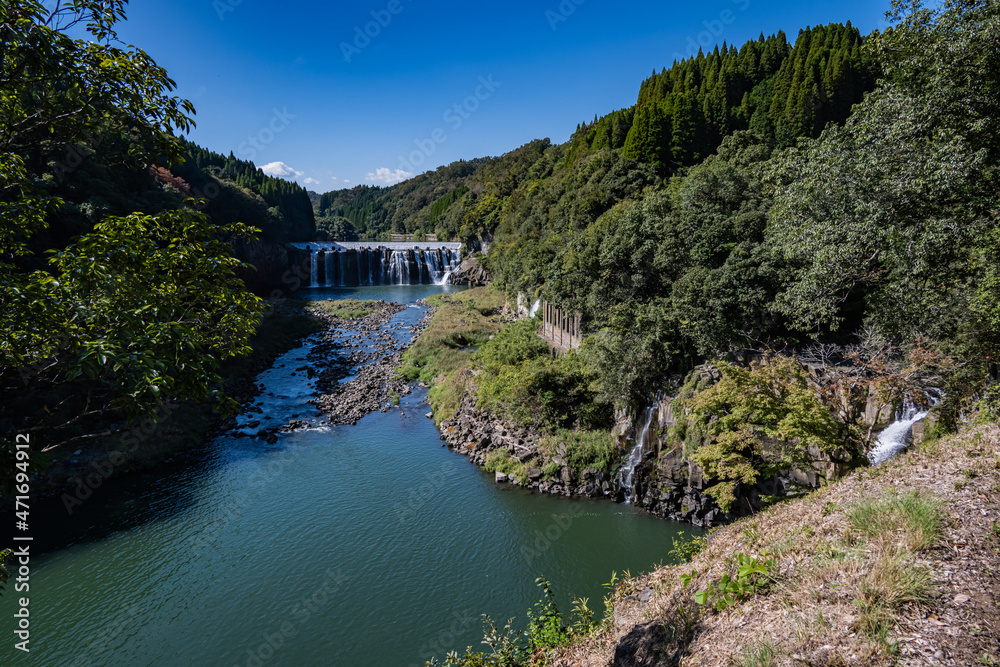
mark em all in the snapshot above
pixel 500 398
pixel 896 564
pixel 179 428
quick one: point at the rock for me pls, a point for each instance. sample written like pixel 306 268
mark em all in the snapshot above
pixel 78 452
pixel 566 475
pixel 272 439
pixel 534 474
pixel 501 477
pixel 429 415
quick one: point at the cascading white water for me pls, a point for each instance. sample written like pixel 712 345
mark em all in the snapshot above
pixel 399 270
pixel 328 258
pixel 313 270
pixel 892 441
pixel 625 477
pixel 534 308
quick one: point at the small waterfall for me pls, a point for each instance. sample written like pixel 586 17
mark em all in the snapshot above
pixel 534 308
pixel 625 477
pixel 329 268
pixel 892 441
pixel 313 270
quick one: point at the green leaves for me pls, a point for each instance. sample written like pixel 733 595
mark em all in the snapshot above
pixel 753 576
pixel 759 420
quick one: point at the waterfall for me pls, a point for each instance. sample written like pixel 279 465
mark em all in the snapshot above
pixel 892 441
pixel 399 270
pixel 534 308
pixel 625 477
pixel 328 257
pixel 313 270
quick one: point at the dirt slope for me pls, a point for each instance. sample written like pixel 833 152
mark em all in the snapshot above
pixel 843 590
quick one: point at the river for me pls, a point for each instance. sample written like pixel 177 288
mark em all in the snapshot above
pixel 347 545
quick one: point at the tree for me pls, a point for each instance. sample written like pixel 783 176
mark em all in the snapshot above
pixel 891 211
pixel 59 90
pixel 758 420
pixel 141 309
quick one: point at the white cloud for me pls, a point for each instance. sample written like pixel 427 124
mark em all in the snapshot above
pixel 387 176
pixel 346 181
pixel 280 169
pixel 311 181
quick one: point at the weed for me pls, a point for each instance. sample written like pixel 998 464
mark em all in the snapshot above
pixel 685 550
pixel 762 654
pixel 893 581
pixel 919 517
pixel 830 508
pixel 752 577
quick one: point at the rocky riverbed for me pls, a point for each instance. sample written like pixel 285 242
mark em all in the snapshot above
pixel 354 363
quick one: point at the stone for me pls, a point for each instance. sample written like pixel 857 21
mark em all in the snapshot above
pixel 501 477
pixel 534 474
pixel 429 415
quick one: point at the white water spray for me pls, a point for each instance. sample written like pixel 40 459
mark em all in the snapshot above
pixel 625 477
pixel 892 441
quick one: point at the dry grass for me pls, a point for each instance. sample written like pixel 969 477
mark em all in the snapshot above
pixel 891 565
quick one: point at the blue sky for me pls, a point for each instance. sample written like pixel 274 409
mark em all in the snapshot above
pixel 333 94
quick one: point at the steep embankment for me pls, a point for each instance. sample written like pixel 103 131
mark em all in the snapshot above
pixel 897 564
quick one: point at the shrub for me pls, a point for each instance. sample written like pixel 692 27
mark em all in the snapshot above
pixel 766 403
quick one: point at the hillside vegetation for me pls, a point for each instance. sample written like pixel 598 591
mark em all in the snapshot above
pixel 840 190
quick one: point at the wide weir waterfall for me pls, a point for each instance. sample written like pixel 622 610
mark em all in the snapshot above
pixel 359 264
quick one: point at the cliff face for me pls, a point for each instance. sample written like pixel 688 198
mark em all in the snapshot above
pixel 655 470
pixel 476 433
pixel 668 483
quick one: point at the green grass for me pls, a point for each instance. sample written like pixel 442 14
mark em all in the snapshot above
pixel 462 321
pixel 918 517
pixel 762 654
pixel 499 460
pixel 583 448
pixel 348 309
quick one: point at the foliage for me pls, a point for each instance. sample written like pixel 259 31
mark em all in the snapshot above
pixel 546 630
pixel 57 89
pixel 685 550
pixel 518 378
pixel 753 576
pixel 127 341
pixel 337 228
pixel 584 448
pixel 461 321
pixel 760 420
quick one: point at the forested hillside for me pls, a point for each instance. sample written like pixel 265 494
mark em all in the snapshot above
pixel 837 191
pixel 118 292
